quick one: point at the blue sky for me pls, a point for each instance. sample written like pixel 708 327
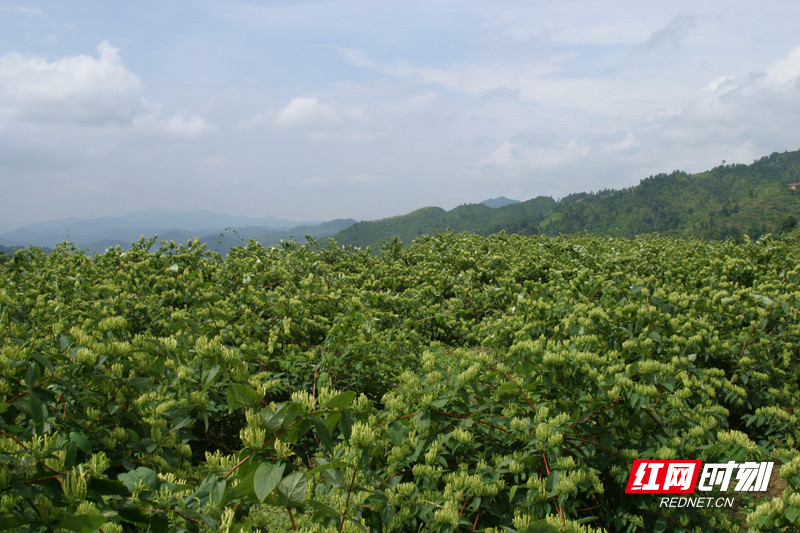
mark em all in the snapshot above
pixel 319 110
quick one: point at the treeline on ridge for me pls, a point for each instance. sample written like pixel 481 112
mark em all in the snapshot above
pixel 726 201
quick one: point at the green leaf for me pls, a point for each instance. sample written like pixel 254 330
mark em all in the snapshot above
pixel 293 411
pixel 38 412
pixel 552 482
pixel 791 514
pixel 84 523
pixel 266 478
pixel 208 377
pixel 341 400
pixel 33 375
pixel 130 513
pixel 387 513
pixel 159 523
pixel 212 489
pixel 329 470
pixel 217 494
pixel 423 421
pixel 397 432
pixel 241 395
pixel 141 382
pixel 332 420
pixel 323 433
pixel 323 509
pixel 360 526
pixel 273 420
pixel 81 442
pixel 107 487
pixel 348 419
pixel 46 363
pixel 146 475
pixel 245 488
pixel 440 403
pixel 292 490
pixel 63 342
pixel 182 422
pixel 299 429
pixel 13 522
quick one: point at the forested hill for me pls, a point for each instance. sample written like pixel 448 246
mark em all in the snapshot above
pixel 726 201
pixel 522 217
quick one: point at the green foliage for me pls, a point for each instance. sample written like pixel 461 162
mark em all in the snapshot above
pixel 728 201
pixel 788 223
pixel 462 383
pixel 522 217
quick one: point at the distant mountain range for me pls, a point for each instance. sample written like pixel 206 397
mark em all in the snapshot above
pixel 519 217
pixel 502 201
pixel 219 231
pixel 727 201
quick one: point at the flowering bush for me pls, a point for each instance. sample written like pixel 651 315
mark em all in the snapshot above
pixel 501 383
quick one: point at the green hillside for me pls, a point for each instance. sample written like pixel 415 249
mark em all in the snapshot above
pixel 6 253
pixel 231 238
pixel 727 201
pixel 522 217
pixel 723 202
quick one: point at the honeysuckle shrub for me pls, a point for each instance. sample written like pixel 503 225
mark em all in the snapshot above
pixel 463 383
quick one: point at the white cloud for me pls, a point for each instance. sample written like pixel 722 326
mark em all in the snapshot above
pixel 748 105
pixel 301 111
pixel 357 58
pixel 21 11
pixel 467 77
pixel 503 155
pixel 787 70
pixel 669 36
pixel 536 156
pixel 717 84
pixel 253 121
pixel 319 121
pixel 78 89
pixel 314 182
pixel 85 91
pixel 629 141
pixel 435 103
pixel 188 127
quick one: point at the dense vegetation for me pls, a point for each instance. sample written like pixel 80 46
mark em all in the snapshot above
pixel 6 252
pixel 462 383
pixel 521 217
pixel 727 201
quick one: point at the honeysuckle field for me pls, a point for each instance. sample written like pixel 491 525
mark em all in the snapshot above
pixel 462 383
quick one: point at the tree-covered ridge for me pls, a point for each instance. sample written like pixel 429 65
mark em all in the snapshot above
pixel 521 217
pixel 727 201
pixel 7 252
pixel 464 383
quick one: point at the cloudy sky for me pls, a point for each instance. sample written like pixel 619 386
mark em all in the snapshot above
pixel 325 109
